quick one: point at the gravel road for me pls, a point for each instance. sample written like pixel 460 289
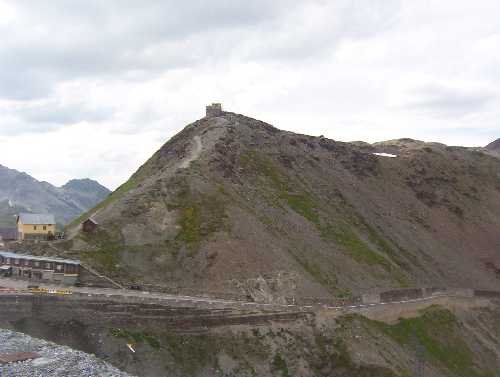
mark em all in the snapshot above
pixel 56 361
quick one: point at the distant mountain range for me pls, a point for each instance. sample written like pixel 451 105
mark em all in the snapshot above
pixel 20 192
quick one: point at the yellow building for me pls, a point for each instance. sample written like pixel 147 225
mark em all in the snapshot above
pixel 32 226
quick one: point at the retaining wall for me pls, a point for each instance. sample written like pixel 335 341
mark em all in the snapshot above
pixel 396 295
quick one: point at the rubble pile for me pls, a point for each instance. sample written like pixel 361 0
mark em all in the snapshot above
pixel 54 360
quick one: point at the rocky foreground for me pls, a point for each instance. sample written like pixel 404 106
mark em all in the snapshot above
pixel 55 361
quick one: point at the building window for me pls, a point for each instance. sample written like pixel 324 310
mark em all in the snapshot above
pixel 44 227
pixel 59 267
pixel 47 266
pixel 34 227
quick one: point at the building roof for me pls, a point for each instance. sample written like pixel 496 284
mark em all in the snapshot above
pixel 9 254
pixel 8 233
pixel 90 219
pixel 36 218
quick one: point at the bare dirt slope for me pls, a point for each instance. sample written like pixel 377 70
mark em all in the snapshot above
pixel 232 204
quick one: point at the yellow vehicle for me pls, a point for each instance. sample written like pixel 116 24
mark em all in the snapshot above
pixel 38 290
pixel 60 292
pixel 63 292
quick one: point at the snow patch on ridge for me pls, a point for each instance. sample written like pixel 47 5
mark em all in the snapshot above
pixel 386 155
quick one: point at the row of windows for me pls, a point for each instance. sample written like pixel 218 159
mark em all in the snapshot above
pixel 38 264
pixel 44 227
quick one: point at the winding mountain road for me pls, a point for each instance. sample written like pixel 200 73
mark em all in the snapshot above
pixel 9 287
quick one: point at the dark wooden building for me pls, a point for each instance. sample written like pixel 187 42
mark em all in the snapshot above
pixel 89 225
pixel 8 234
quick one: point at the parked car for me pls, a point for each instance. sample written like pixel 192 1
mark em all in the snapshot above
pixel 135 287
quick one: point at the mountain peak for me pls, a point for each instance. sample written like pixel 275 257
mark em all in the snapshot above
pixel 84 184
pixel 230 200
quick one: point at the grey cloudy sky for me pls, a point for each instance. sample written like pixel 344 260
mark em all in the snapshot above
pixel 92 88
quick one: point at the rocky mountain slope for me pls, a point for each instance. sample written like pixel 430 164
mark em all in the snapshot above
pixel 232 204
pixel 20 192
pixel 494 147
pixel 459 343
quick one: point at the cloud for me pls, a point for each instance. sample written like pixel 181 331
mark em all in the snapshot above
pixel 305 33
pixel 98 86
pixel 51 44
pixel 446 101
pixel 64 40
pixel 59 113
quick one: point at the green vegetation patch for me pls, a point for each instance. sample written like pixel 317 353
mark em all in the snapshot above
pixel 352 244
pixel 107 258
pixel 193 353
pixel 278 188
pixel 190 223
pixel 261 165
pixel 332 354
pixel 439 333
pixel 136 337
pixel 200 216
pixel 327 279
pixel 284 352
pixel 107 253
pixel 386 248
pixel 303 204
pixel 362 252
pixel 279 366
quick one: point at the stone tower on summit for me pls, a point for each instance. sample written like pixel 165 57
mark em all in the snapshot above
pixel 214 110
